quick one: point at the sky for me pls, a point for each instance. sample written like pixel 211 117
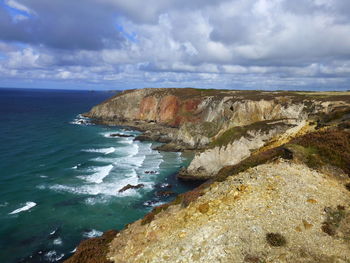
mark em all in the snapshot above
pixel 122 44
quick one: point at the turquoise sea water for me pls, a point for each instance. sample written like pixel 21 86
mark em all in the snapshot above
pixel 59 176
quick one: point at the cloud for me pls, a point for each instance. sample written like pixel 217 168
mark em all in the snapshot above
pixel 248 43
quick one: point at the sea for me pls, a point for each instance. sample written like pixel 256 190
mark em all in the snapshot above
pixel 60 174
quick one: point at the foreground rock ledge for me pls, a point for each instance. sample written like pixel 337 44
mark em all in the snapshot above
pixel 276 212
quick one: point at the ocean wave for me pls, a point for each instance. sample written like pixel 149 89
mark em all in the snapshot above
pixel 81 120
pixel 92 233
pixel 53 256
pixel 106 188
pixel 153 203
pixel 28 206
pixel 102 150
pixel 99 174
pixel 58 241
pixel 96 200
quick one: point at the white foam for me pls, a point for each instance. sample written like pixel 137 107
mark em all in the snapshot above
pixel 153 204
pixel 96 200
pixel 126 140
pixel 76 166
pixel 93 233
pixel 28 206
pixel 99 174
pixel 102 150
pixel 81 120
pixel 52 256
pixel 74 250
pixel 58 241
pixel 110 188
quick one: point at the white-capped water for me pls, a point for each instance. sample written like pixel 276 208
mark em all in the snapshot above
pixel 102 150
pixel 81 120
pixel 124 162
pixel 99 174
pixel 58 241
pixel 92 233
pixel 27 206
pixel 53 256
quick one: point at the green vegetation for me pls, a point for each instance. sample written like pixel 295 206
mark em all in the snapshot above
pixel 235 133
pixel 323 147
pixel 336 115
pixel 229 136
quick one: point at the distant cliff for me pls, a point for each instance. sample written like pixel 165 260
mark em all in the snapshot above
pixel 275 167
pixel 226 125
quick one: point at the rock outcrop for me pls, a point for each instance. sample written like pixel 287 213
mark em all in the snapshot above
pixel 277 212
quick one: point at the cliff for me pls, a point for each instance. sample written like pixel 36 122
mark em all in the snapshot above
pixel 225 125
pixel 276 167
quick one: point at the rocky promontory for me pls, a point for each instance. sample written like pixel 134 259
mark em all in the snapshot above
pixel 275 168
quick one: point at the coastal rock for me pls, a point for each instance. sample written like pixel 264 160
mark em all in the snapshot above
pixel 238 146
pixel 129 186
pixel 120 135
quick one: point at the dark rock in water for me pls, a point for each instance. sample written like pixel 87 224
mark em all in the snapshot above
pixel 120 135
pixel 151 172
pixel 129 186
pixel 93 250
pixel 165 193
pixel 144 138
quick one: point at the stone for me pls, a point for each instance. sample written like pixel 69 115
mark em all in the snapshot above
pixel 129 186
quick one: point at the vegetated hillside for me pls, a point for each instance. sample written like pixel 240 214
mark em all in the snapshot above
pixel 275 189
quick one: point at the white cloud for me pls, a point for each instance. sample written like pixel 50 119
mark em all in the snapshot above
pixel 197 43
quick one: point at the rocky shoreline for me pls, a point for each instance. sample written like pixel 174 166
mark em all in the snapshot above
pixel 247 145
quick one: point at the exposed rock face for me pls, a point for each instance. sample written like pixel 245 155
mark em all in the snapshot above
pixel 277 212
pixel 193 119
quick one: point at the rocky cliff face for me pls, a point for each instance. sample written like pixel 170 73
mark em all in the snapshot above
pixel 196 119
